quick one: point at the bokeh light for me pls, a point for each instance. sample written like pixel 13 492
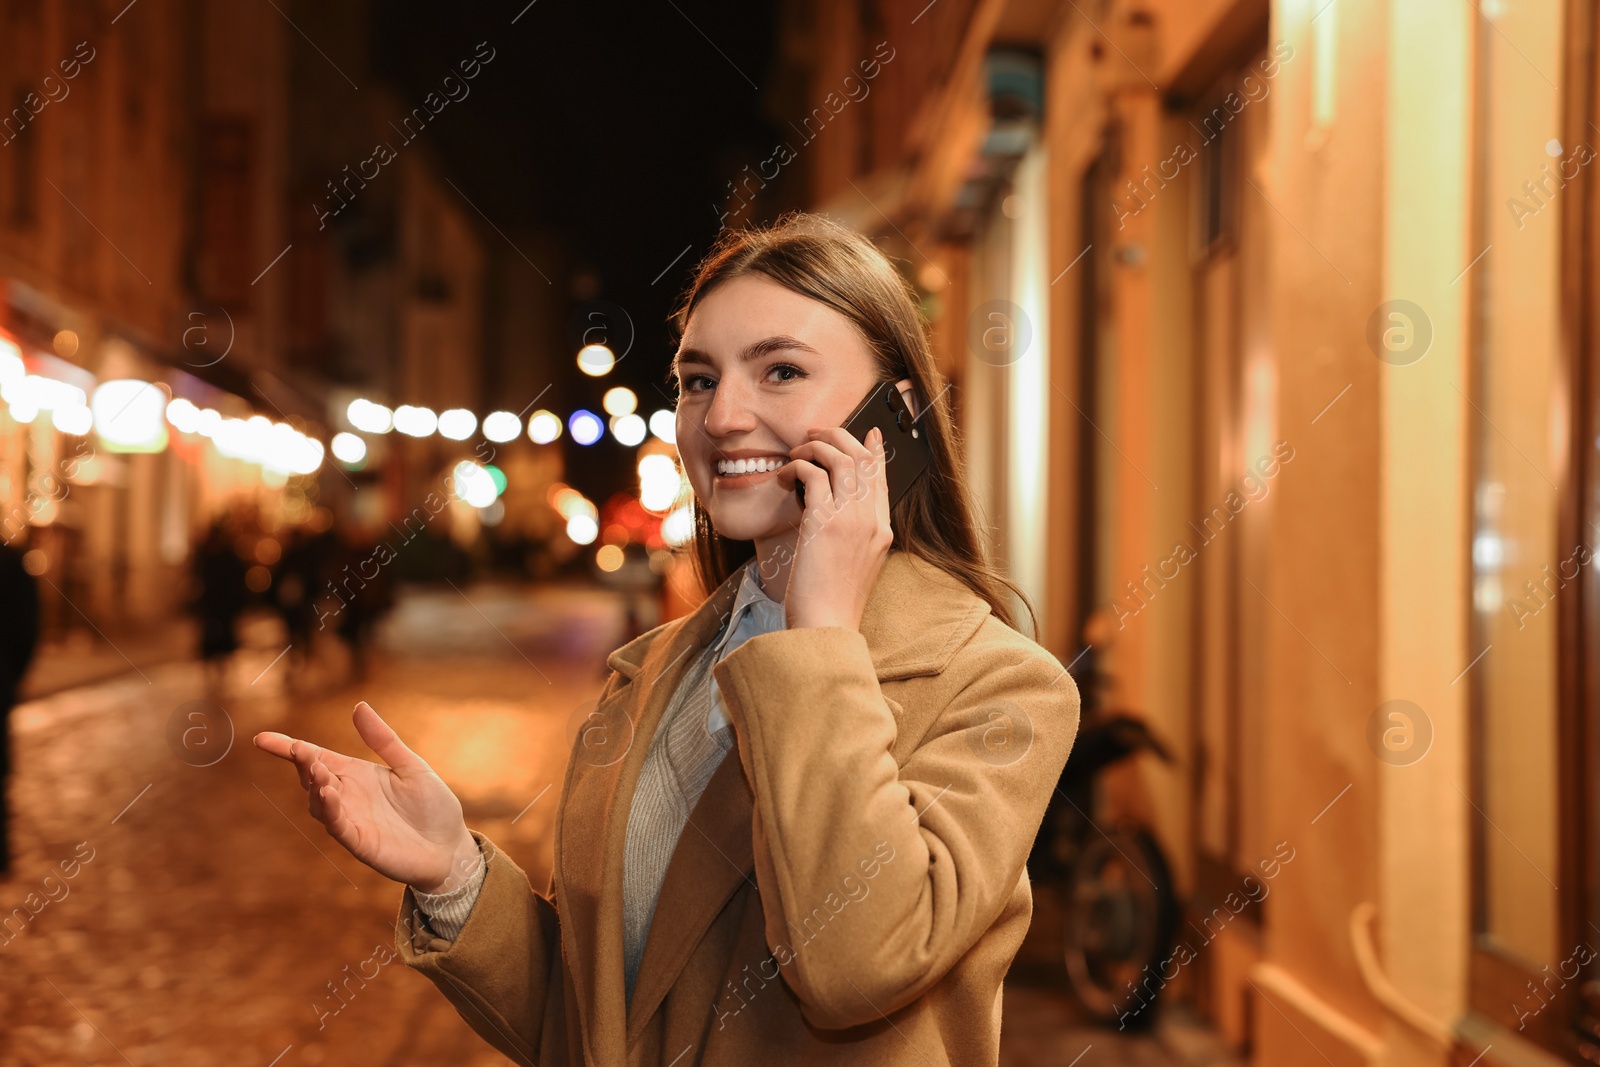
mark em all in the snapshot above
pixel 659 482
pixel 129 414
pixel 474 485
pixel 348 448
pixel 628 430
pixel 183 415
pixel 77 421
pixel 544 427
pixel 620 400
pixel 596 360
pixel 582 529
pixel 501 426
pixel 677 529
pixel 368 417
pixel 415 421
pixel 664 424
pixel 457 424
pixel 585 427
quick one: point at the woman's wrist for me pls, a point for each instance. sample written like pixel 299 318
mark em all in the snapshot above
pixel 464 863
pixel 842 608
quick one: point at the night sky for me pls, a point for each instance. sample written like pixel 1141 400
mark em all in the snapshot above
pixel 615 124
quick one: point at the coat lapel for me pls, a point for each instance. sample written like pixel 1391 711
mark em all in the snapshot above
pixel 591 831
pixel 714 857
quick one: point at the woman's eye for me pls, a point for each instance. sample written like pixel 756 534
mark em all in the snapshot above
pixel 798 373
pixel 688 383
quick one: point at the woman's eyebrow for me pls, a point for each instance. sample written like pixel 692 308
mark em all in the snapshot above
pixel 755 350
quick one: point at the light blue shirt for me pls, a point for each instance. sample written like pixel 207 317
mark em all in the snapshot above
pixel 753 613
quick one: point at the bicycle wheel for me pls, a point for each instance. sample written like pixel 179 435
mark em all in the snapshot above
pixel 1119 913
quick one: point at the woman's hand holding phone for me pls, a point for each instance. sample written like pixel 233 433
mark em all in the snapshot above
pixel 400 819
pixel 844 532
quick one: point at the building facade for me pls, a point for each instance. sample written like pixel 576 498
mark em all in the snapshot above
pixel 140 151
pixel 232 204
pixel 1270 332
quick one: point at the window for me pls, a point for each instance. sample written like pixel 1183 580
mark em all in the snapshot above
pixel 1234 434
pixel 1534 530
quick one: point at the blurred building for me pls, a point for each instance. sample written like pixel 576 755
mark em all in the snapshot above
pixel 140 152
pixel 1271 332
pixel 237 210
pixel 407 294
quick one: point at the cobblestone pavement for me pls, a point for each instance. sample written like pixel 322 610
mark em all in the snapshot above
pixel 194 913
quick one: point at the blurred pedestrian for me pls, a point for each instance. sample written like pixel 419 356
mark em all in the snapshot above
pixel 294 584
pixel 362 575
pixel 219 576
pixel 19 635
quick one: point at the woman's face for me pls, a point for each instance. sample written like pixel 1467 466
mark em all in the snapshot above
pixel 759 367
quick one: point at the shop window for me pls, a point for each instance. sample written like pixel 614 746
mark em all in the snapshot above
pixel 1533 284
pixel 1235 463
pixel 228 262
pixel 22 210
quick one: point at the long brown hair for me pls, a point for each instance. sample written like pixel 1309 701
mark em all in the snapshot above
pixel 819 258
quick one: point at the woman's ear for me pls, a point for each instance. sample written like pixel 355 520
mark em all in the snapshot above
pixel 909 395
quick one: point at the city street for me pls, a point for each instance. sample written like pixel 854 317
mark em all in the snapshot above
pixel 207 918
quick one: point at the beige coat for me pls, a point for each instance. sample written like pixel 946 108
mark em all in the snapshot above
pixel 850 888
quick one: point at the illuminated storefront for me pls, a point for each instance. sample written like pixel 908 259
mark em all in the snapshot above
pixel 1316 482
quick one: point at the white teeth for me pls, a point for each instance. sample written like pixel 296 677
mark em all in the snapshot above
pixel 747 466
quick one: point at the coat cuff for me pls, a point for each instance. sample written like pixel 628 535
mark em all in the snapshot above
pixel 448 912
pixel 431 923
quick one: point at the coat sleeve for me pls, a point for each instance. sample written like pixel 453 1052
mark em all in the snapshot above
pixel 503 971
pixel 877 878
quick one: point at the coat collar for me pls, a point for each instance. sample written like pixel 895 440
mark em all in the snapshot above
pixel 903 642
pixel 915 619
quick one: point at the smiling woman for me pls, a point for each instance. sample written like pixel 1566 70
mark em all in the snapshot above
pixel 816 315
pixel 852 701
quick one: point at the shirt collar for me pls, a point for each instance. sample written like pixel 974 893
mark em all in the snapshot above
pixel 751 595
pixel 765 616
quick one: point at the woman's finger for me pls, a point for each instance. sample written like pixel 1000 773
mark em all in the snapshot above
pixel 824 453
pixel 880 476
pixel 851 478
pixel 842 476
pixel 321 775
pixel 303 753
pixel 295 750
pixel 381 738
pixel 334 817
pixel 819 489
pixel 321 781
pixel 843 440
pixel 307 758
pixel 328 800
pixel 274 743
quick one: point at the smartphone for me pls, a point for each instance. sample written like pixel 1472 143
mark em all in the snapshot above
pixel 905 443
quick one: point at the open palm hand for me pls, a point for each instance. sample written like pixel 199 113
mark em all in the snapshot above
pixel 398 817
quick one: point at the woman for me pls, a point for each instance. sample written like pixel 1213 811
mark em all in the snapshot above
pixel 849 888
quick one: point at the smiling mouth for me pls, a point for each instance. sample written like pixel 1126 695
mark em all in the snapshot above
pixel 733 468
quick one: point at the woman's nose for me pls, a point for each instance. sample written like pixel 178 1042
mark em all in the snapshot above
pixel 730 411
